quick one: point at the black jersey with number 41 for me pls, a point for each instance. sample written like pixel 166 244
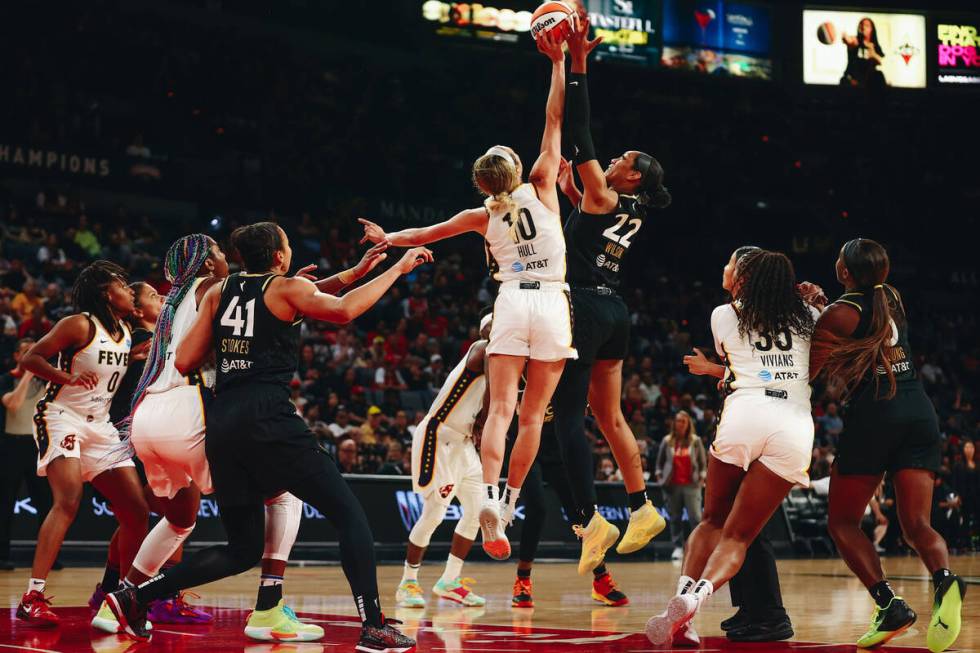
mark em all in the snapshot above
pixel 597 244
pixel 251 344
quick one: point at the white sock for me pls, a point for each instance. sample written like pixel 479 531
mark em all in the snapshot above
pixel 36 585
pixel 282 517
pixel 158 545
pixel 703 590
pixel 411 572
pixel 454 566
pixel 491 493
pixel 510 497
pixel 684 585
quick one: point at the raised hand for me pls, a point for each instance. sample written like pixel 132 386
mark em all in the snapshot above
pixel 550 46
pixel 372 232
pixel 579 45
pixel 305 273
pixel 566 179
pixel 812 294
pixel 371 259
pixel 697 363
pixel 414 258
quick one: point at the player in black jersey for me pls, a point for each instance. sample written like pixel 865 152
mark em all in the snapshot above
pixel 257 446
pixel 598 236
pixel 890 425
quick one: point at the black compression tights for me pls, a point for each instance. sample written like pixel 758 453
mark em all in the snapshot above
pixel 535 503
pixel 245 525
pixel 570 399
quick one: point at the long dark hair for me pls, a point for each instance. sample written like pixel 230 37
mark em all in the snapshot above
pixel 652 193
pixel 874 36
pixel 767 298
pixel 88 293
pixel 852 358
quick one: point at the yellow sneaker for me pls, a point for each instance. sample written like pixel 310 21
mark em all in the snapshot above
pixel 597 537
pixel 944 627
pixel 645 524
pixel 280 624
pixel 105 621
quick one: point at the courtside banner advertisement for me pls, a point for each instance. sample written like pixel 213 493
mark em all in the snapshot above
pixel 630 29
pixel 505 22
pixel 955 46
pixel 856 48
pixel 717 38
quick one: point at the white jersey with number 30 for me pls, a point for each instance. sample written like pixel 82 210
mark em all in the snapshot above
pixel 531 250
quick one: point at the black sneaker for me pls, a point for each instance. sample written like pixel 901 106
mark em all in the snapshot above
pixel 737 620
pixel 386 639
pixel 763 631
pixel 130 614
pixel 888 622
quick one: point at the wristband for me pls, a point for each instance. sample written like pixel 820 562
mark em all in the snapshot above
pixel 347 276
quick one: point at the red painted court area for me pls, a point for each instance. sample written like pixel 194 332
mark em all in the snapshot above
pixel 450 633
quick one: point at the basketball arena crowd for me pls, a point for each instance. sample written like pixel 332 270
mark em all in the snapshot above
pixel 188 117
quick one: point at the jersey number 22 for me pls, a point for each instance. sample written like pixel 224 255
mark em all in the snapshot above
pixel 623 239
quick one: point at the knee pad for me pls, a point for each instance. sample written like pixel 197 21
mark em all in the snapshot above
pixel 282 518
pixel 159 544
pixel 432 515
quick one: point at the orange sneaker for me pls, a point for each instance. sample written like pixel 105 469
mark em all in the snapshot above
pixel 604 590
pixel 522 594
pixel 34 610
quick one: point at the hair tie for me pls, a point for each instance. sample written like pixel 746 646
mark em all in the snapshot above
pixel 880 285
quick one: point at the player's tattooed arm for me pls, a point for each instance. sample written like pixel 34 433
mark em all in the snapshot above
pixel 69 334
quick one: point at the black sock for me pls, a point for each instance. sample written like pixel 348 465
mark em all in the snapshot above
pixel 600 571
pixel 587 513
pixel 523 573
pixel 369 611
pixel 939 576
pixel 268 597
pixel 882 593
pixel 110 579
pixel 638 499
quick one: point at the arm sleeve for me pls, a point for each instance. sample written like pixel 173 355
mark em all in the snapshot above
pixel 578 117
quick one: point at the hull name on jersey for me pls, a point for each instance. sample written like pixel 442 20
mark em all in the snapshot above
pixel 526 250
pixel 118 358
pixel 235 346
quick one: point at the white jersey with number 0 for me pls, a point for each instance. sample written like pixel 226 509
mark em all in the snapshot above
pixel 460 399
pixel 108 358
pixel 534 250
pixel 183 321
pixel 777 362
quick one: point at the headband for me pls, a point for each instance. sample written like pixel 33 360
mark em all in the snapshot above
pixel 642 165
pixel 503 153
pixel 485 321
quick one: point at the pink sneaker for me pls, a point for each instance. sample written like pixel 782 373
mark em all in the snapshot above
pixel 177 611
pixel 98 596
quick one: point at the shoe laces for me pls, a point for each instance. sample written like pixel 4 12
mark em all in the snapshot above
pixel 413 588
pixel 522 584
pixel 182 605
pixel 579 530
pixel 465 582
pixel 607 583
pixel 38 597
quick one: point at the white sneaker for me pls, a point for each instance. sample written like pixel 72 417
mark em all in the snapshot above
pixel 495 541
pixel 678 554
pixel 506 514
pixel 686 637
pixel 681 609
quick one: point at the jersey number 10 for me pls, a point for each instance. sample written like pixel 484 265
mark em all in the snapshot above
pixel 525 226
pixel 232 317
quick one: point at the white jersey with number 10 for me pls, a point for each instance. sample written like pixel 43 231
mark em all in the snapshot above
pixel 533 249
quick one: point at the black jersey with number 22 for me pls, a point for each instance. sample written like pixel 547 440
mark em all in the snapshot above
pixel 597 244
pixel 251 344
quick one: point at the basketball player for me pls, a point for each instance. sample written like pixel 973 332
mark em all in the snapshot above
pixel 615 205
pixel 890 425
pixel 761 616
pixel 256 445
pixel 548 467
pixel 445 464
pixel 764 336
pixel 532 326
pixel 72 428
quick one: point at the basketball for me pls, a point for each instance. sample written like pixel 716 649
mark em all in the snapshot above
pixel 550 16
pixel 827 33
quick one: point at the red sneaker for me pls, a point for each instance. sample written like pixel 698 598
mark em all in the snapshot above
pixel 604 590
pixel 34 610
pixel 522 594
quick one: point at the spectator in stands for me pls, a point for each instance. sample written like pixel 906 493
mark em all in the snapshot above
pixel 347 457
pixel 393 460
pixel 966 484
pixel 831 423
pixel 681 468
pixel 436 373
pixel 371 429
pixel 86 239
pixel 388 376
pixel 341 426
pixel 36 325
pixel 946 515
pixel 26 301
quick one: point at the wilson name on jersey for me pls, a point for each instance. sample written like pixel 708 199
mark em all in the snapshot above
pixel 779 363
pixel 104 355
pixel 598 244
pixel 250 343
pixel 525 242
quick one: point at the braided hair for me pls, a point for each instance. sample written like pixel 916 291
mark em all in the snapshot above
pixel 88 295
pixel 767 298
pixel 181 266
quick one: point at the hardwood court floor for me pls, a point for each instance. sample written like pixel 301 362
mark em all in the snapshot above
pixel 828 607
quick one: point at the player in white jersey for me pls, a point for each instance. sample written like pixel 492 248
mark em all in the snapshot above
pixel 765 437
pixel 445 464
pixel 167 432
pixel 72 428
pixel 532 313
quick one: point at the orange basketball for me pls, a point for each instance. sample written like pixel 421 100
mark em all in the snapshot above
pixel 550 16
pixel 827 33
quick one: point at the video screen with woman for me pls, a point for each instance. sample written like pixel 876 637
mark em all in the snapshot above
pixel 864 49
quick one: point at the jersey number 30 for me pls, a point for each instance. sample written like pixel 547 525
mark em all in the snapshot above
pixel 232 317
pixel 623 239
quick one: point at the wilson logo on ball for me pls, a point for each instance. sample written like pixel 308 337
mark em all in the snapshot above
pixel 550 16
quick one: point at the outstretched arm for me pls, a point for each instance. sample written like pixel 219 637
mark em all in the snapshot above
pixel 544 172
pixel 597 198
pixel 468 220
pixel 337 282
pixel 194 349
